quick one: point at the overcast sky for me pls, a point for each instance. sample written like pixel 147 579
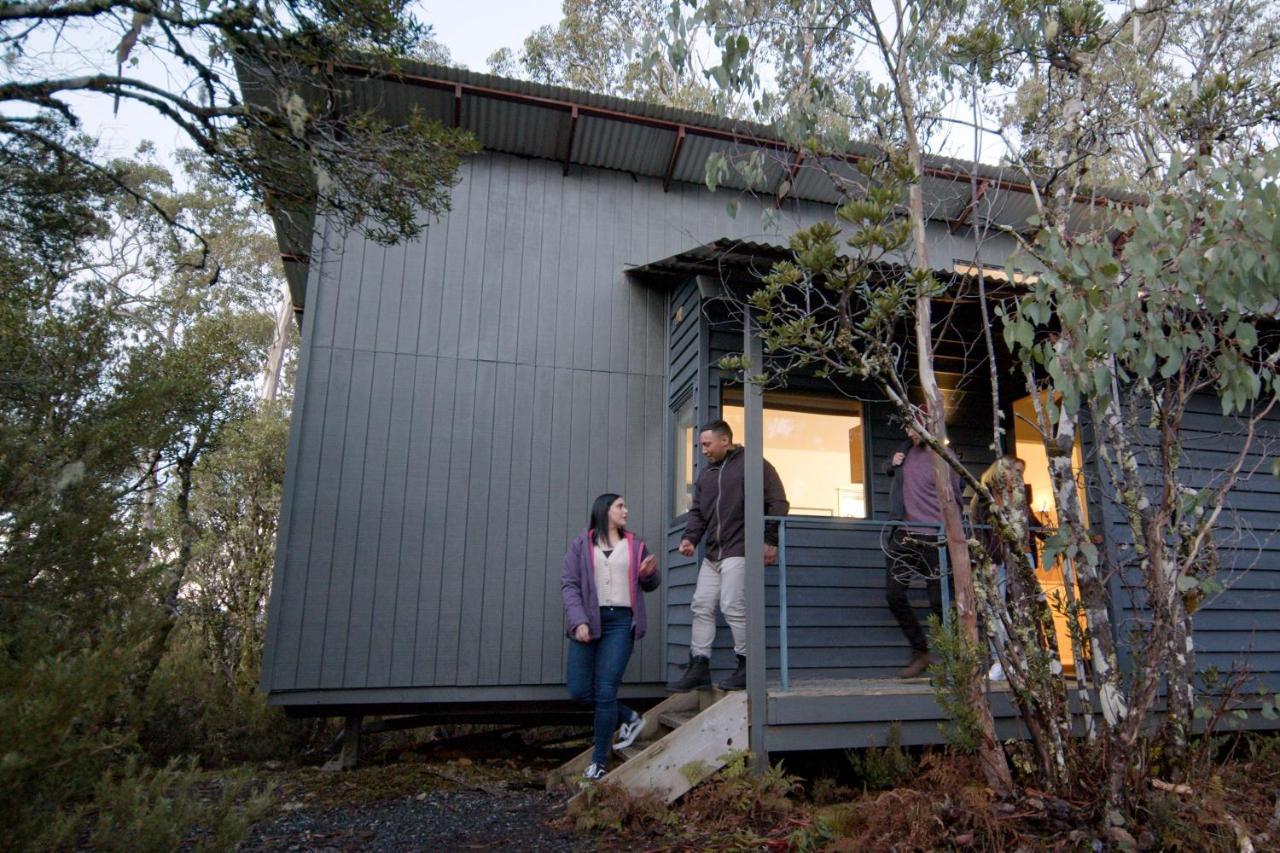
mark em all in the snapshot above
pixel 471 30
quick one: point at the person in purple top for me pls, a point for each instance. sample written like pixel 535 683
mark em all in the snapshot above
pixel 912 551
pixel 607 570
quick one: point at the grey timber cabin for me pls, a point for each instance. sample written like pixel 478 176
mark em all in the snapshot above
pixel 462 398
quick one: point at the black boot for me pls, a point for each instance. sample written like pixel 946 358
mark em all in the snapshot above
pixel 737 680
pixel 697 673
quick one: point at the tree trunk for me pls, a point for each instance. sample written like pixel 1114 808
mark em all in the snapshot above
pixel 995 765
pixel 174 575
pixel 275 356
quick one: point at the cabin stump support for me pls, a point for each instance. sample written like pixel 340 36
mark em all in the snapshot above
pixel 349 754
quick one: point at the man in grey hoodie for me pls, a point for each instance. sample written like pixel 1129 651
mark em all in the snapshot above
pixel 717 519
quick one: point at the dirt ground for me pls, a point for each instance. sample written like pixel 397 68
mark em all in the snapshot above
pixel 481 791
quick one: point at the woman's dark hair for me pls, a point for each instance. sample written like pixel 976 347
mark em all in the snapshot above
pixel 599 521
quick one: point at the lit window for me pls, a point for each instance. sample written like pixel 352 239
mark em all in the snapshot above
pixel 995 273
pixel 817 444
pixel 682 439
pixel 1052 577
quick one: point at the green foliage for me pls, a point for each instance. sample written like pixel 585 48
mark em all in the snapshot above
pixel 880 768
pixel 253 88
pixel 1182 301
pixel 62 732
pixel 195 707
pixel 139 810
pixel 127 365
pixel 958 664
pixel 754 796
pixel 604 46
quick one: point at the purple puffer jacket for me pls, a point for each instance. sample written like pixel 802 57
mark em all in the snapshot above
pixel 578 586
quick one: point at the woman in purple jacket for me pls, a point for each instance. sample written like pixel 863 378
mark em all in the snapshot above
pixel 606 571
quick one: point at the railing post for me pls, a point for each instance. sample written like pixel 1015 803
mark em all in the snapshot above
pixel 753 499
pixel 944 572
pixel 782 606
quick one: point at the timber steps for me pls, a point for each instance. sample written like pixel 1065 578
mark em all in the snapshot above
pixel 686 738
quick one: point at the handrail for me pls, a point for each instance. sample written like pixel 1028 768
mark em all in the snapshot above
pixel 944 567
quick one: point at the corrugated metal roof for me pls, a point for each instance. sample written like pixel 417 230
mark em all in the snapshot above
pixel 616 135
pixel 537 120
pixel 730 260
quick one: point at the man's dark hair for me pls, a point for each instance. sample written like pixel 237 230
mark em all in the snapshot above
pixel 720 427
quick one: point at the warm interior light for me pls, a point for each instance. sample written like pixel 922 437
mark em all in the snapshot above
pixel 993 273
pixel 1053 578
pixel 818 452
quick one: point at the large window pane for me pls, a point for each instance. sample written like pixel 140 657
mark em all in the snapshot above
pixel 817 443
pixel 682 439
pixel 1052 576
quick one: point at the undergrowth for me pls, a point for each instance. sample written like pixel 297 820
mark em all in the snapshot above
pixel 883 799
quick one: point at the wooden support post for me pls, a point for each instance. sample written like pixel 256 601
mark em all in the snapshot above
pixel 349 755
pixel 753 498
pixel 573 131
pixel 673 159
pixel 979 192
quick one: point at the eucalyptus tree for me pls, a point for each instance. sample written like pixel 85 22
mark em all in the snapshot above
pixel 1163 299
pixel 842 68
pixel 605 46
pixel 1178 100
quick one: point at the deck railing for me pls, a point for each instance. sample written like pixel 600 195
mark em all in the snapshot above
pixel 853 526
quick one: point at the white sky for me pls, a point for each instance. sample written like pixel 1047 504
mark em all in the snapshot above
pixel 472 30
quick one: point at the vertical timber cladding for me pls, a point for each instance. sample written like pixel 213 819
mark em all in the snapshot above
pixel 461 400
pixel 1237 628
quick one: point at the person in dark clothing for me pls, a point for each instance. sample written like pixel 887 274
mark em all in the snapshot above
pixel 912 551
pixel 606 573
pixel 717 519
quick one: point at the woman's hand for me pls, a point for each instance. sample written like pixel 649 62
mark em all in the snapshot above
pixel 582 633
pixel 648 566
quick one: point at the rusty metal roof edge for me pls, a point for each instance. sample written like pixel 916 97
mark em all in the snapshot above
pixel 477 83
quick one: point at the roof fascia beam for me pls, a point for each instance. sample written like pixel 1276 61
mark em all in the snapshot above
pixel 675 157
pixel 787 184
pixel 573 131
pixel 974 200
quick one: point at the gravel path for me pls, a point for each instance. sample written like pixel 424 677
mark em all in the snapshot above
pixel 435 821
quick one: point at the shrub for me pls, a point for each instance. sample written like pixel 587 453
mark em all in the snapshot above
pixel 959 663
pixel 140 810
pixel 878 768
pixel 192 708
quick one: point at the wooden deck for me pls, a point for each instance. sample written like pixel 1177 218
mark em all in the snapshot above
pixel 851 713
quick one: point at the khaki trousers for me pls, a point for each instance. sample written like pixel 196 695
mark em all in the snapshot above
pixel 720 582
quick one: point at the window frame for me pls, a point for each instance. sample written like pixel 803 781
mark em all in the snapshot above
pixel 684 397
pixel 817 403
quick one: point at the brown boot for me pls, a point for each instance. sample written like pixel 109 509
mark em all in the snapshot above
pixel 919 663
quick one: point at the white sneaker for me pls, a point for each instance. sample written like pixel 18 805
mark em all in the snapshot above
pixel 996 673
pixel 629 731
pixel 594 772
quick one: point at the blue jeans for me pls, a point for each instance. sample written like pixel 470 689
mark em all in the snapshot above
pixel 595 671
